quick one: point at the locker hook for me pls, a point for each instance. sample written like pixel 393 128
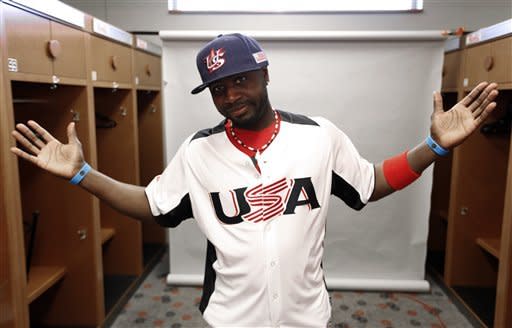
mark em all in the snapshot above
pixel 75 116
pixel 82 233
pixel 55 81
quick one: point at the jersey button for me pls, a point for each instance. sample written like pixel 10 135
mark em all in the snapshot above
pixel 273 263
pixel 275 297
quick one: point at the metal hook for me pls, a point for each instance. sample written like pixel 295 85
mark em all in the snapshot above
pixel 82 233
pixel 75 116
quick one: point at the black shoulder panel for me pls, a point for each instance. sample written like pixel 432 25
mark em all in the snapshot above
pixel 208 132
pixel 344 191
pixel 296 118
pixel 177 215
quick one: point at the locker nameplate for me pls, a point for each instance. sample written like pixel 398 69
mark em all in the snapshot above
pixel 12 64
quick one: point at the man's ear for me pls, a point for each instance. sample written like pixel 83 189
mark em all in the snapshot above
pixel 265 75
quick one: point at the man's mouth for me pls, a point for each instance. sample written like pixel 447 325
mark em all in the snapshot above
pixel 238 110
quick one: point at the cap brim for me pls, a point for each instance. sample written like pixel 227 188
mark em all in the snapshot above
pixel 199 88
pixel 203 86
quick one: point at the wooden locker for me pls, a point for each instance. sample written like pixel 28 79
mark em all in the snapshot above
pixel 86 257
pixel 478 241
pixel 151 153
pixel 27 37
pixel 111 61
pixel 501 54
pixel 66 253
pixel 147 69
pixel 69 44
pixel 118 157
pixel 489 61
pixel 503 315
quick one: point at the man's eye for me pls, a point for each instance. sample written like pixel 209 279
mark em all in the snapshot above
pixel 240 79
pixel 217 90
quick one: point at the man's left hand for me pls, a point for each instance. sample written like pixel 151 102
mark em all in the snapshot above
pixel 452 127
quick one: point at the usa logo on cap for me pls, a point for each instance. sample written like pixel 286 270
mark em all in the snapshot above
pixel 215 60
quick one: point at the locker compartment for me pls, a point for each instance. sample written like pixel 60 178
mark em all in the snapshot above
pixel 117 147
pixel 27 37
pixel 70 51
pixel 150 155
pixel 110 62
pixel 60 221
pixel 147 69
pixel 36 45
pixel 477 213
pixel 489 62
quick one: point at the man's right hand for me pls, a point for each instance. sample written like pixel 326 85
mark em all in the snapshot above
pixel 43 150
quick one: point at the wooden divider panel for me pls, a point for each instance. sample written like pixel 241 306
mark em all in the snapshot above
pixel 451 70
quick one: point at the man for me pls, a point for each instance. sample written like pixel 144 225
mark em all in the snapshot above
pixel 258 186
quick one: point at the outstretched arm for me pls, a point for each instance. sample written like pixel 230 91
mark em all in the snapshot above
pixel 65 160
pixel 449 129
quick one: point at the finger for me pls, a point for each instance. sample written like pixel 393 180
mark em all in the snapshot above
pixel 25 142
pixel 20 153
pixel 30 135
pixel 438 103
pixel 484 95
pixel 72 137
pixel 492 95
pixel 488 110
pixel 41 131
pixel 473 94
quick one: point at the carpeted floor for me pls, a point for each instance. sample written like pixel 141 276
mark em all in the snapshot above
pixel 155 304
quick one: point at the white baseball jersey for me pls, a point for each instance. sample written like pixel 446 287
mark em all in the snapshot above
pixel 265 230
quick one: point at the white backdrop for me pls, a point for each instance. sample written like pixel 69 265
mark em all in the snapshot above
pixel 377 87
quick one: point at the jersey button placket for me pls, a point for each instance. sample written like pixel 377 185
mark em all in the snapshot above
pixel 264 171
pixel 273 272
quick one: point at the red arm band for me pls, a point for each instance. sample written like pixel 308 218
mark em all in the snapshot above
pixel 398 172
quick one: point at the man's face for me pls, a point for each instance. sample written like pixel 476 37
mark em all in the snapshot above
pixel 242 97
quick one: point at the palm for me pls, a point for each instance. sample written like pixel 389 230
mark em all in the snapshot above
pixel 58 158
pixel 452 127
pixel 47 152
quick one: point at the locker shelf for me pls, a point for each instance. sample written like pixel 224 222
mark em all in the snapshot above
pixel 107 234
pixel 491 245
pixel 41 278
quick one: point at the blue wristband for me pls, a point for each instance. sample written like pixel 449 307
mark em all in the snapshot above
pixel 80 174
pixel 436 148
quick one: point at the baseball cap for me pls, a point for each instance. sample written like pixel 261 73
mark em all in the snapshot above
pixel 227 55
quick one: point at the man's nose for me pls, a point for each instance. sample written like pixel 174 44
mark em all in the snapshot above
pixel 232 94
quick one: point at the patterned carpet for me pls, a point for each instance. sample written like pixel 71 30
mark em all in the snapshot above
pixel 155 304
